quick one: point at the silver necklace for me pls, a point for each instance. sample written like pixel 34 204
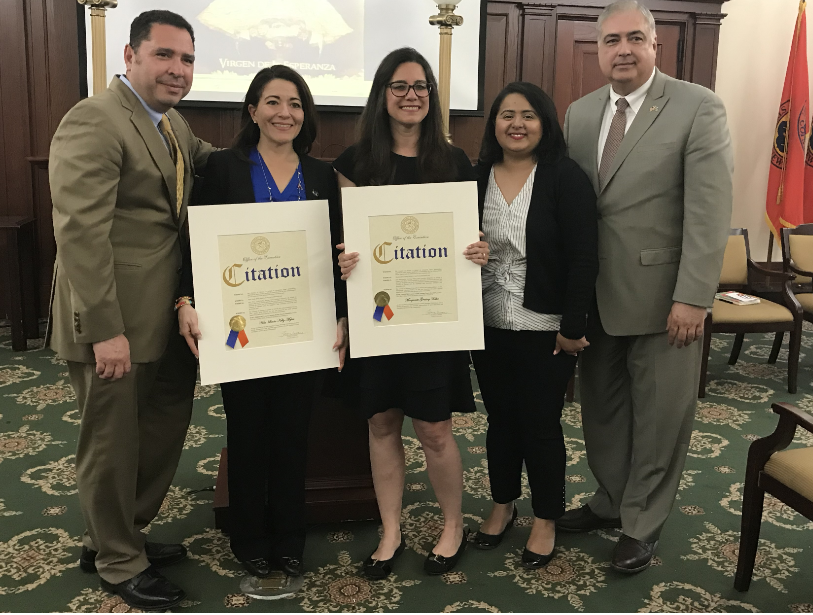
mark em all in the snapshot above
pixel 268 186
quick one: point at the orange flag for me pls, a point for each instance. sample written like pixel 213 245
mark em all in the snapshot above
pixel 785 203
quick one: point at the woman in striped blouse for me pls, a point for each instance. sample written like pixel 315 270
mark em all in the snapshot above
pixel 539 217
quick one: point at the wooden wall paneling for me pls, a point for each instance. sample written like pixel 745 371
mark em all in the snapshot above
pixel 577 68
pixel 467 133
pixel 53 83
pixel 15 180
pixel 502 57
pixel 670 40
pixel 37 45
pixel 216 125
pixel 337 131
pixel 565 80
pixel 539 45
pixel 14 116
pixel 704 56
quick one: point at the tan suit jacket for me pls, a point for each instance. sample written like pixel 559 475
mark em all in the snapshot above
pixel 665 210
pixel 117 232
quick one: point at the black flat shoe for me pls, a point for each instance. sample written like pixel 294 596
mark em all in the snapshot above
pixel 535 560
pixel 377 569
pixel 158 554
pixel 486 542
pixel 438 564
pixel 258 567
pixel 149 591
pixel 291 566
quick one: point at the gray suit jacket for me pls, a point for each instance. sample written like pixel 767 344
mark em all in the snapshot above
pixel 115 223
pixel 665 211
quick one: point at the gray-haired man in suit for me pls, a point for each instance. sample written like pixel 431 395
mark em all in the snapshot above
pixel 659 154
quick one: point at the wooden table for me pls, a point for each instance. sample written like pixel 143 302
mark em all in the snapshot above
pixel 19 237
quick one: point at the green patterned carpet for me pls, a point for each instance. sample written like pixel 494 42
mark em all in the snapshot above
pixel 40 521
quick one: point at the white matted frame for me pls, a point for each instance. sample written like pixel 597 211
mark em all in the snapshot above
pixel 218 363
pixel 360 204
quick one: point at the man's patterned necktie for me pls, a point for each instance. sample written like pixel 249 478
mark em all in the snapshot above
pixel 177 157
pixel 614 137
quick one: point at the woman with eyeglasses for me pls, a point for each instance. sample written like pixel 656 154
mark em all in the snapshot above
pixel 267 419
pixel 539 214
pixel 402 142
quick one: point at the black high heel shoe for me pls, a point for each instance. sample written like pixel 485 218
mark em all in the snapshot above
pixel 377 569
pixel 438 564
pixel 486 542
pixel 535 561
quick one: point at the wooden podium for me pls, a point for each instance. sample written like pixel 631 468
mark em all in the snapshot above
pixel 339 485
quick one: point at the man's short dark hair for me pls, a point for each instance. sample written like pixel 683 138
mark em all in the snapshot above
pixel 142 26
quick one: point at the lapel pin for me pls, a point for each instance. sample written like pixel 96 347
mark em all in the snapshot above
pixel 315 193
pixel 653 108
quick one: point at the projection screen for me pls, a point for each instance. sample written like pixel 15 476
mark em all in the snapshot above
pixel 335 44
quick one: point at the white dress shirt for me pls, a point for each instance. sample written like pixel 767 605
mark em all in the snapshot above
pixel 503 277
pixel 635 100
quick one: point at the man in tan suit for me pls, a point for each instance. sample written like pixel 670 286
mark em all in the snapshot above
pixel 659 154
pixel 121 170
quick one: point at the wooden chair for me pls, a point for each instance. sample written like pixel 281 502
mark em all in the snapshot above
pixel 797 258
pixel 785 474
pixel 763 317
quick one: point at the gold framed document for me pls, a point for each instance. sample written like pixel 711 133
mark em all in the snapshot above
pixel 263 289
pixel 412 289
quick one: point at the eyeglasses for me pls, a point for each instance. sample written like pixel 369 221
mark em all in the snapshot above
pixel 401 89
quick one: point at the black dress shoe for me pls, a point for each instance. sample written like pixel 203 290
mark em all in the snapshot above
pixel 257 567
pixel 291 566
pixel 631 555
pixel 148 591
pixel 438 564
pixel 584 520
pixel 486 542
pixel 378 569
pixel 535 560
pixel 158 554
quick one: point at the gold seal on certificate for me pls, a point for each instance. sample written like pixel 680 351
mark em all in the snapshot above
pixel 410 225
pixel 237 323
pixel 414 263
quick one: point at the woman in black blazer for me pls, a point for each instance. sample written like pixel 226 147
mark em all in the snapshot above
pixel 267 418
pixel 539 217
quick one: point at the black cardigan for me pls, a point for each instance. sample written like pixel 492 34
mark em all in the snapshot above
pixel 228 180
pixel 561 243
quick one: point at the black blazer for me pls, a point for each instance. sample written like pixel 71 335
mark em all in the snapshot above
pixel 228 180
pixel 561 243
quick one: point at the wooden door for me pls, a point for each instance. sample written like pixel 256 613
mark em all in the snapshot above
pixel 577 70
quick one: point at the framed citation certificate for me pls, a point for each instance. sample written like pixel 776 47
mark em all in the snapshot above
pixel 412 289
pixel 263 289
